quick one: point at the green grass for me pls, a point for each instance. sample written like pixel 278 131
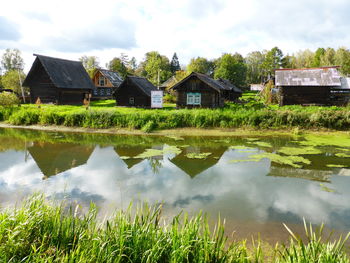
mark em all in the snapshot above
pixel 102 114
pixel 44 231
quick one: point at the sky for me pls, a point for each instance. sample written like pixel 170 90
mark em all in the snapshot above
pixel 191 28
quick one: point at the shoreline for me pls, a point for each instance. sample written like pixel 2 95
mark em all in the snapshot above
pixel 213 132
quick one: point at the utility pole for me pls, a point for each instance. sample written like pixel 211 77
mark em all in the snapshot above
pixel 20 83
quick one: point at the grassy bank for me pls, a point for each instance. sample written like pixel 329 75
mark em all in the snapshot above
pixel 232 116
pixel 41 231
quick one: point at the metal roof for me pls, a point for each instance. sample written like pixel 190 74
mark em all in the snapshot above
pixel 327 76
pixel 112 76
pixel 63 73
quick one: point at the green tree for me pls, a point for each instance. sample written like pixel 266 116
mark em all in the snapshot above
pixel 174 64
pixel 274 59
pixel 200 65
pixel 254 61
pixel 156 67
pixel 328 58
pixel 304 59
pixel 132 65
pixel 317 58
pixel 90 63
pixel 342 59
pixel 231 67
pixel 11 81
pixel 12 60
pixel 116 64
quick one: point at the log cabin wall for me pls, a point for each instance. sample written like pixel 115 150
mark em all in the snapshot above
pixel 42 87
pixel 129 92
pixel 210 98
pixel 303 95
pixel 102 92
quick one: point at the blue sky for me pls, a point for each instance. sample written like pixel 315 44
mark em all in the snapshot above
pixel 105 28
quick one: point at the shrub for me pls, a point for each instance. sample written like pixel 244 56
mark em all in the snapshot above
pixel 149 126
pixel 8 99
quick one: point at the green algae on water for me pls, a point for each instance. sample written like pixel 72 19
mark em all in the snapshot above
pixel 336 165
pixel 287 160
pixel 125 157
pixel 326 189
pixel 244 160
pixel 241 147
pixel 198 155
pixel 339 140
pixel 344 155
pixel 176 138
pixel 299 151
pixel 156 152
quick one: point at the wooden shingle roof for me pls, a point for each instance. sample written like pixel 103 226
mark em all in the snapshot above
pixel 142 83
pixel 66 74
pixel 217 84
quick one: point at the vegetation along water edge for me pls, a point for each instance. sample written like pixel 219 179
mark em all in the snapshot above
pixel 233 116
pixel 39 230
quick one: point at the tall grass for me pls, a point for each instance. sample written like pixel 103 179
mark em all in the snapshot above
pixel 232 116
pixel 41 231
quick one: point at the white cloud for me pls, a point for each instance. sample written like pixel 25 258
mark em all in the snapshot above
pixel 192 28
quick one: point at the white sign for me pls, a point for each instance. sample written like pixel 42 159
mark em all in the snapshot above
pixel 156 99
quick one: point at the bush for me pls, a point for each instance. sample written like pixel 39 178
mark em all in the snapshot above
pixel 149 126
pixel 168 98
pixel 8 99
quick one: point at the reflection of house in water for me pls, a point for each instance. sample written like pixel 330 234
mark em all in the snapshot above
pixel 132 151
pixel 314 175
pixel 193 167
pixel 55 158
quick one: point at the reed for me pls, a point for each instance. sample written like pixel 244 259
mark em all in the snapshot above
pixel 44 231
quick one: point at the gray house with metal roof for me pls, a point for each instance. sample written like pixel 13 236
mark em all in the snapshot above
pixel 311 86
pixel 58 81
pixel 106 82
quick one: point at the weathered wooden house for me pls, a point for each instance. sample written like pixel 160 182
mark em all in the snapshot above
pixel 166 85
pixel 105 81
pixel 58 81
pixel 200 90
pixel 310 86
pixel 134 92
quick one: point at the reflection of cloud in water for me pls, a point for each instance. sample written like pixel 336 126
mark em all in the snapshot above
pixel 240 191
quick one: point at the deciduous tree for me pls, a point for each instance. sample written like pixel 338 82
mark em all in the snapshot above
pixel 12 60
pixel 200 65
pixel 90 63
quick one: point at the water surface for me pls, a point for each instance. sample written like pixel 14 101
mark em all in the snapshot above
pixel 212 174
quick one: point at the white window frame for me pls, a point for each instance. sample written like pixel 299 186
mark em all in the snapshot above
pixel 194 98
pixel 102 81
pixel 131 100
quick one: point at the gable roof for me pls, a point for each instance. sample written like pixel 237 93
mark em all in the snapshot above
pixel 217 84
pixel 324 76
pixel 142 83
pixel 63 73
pixel 169 82
pixel 112 76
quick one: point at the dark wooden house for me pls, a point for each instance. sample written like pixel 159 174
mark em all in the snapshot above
pixel 310 86
pixel 166 85
pixel 58 81
pixel 200 90
pixel 135 92
pixel 105 81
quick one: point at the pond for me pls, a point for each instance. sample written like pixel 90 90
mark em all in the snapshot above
pixel 256 184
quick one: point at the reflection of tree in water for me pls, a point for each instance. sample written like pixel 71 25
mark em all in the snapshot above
pixel 156 164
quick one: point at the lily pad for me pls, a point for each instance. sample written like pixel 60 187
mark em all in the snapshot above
pixel 252 139
pixel 156 152
pixel 342 155
pixel 326 189
pixel 124 157
pixel 287 160
pixel 198 155
pixel 335 165
pixel 299 150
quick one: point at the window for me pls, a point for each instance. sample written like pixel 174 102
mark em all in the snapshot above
pixel 95 92
pixel 131 100
pixel 193 99
pixel 102 92
pixel 108 92
pixel 101 81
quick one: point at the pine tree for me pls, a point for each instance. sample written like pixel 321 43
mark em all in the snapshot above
pixel 174 64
